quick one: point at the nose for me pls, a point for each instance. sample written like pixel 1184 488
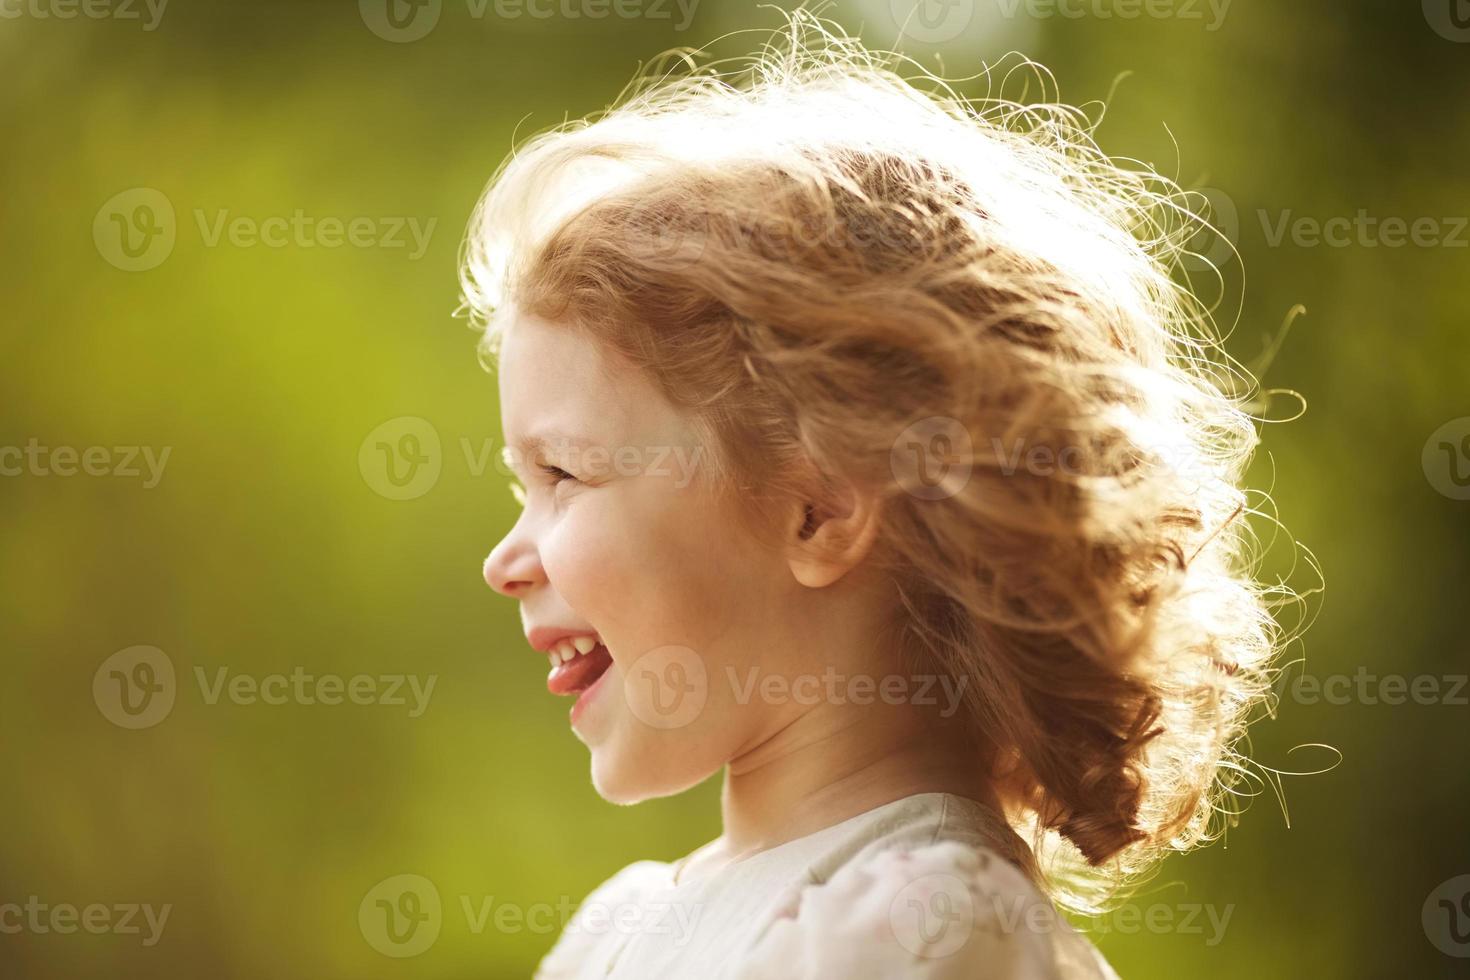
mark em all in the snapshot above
pixel 514 565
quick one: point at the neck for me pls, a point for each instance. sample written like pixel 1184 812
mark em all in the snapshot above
pixel 837 761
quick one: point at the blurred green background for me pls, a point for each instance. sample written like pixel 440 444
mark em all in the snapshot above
pixel 272 541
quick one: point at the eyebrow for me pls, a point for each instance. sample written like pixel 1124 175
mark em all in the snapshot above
pixel 534 444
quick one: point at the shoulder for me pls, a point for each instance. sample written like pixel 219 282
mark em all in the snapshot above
pixel 618 899
pixel 937 911
pixel 632 883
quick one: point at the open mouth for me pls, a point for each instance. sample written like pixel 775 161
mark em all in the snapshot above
pixel 574 671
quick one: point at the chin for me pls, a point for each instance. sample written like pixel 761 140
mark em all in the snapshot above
pixel 622 780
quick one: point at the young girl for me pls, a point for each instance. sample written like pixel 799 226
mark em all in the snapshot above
pixel 869 452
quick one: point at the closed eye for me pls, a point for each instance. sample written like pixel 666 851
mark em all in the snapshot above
pixel 556 473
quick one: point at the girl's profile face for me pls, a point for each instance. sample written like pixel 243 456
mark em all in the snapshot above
pixel 621 536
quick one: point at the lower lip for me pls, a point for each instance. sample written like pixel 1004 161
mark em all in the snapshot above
pixel 586 696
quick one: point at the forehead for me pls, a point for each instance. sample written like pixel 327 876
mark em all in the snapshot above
pixel 556 381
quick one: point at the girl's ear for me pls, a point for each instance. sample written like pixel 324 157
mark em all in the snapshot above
pixel 829 537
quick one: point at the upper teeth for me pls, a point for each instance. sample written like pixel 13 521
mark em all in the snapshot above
pixel 563 650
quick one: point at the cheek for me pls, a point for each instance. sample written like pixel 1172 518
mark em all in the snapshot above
pixel 647 566
pixel 577 556
pixel 601 558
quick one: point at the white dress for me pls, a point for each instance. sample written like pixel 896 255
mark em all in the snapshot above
pixel 913 888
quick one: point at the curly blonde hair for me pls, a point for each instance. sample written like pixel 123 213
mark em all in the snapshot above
pixel 820 248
